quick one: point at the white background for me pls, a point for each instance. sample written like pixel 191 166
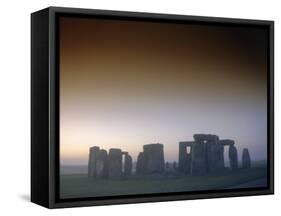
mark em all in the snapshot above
pixel 15 107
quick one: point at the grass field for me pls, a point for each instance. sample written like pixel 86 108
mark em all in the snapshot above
pixel 74 186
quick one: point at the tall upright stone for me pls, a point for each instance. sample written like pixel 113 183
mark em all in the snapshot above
pixel 102 164
pixel 153 158
pixel 233 157
pixel 115 163
pixel 215 159
pixel 185 157
pixel 140 166
pixel 246 159
pixel 128 165
pixel 232 153
pixel 93 152
pixel 204 154
pixel 98 163
pixel 199 162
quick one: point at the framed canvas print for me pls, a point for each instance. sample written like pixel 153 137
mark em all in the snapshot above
pixel 139 107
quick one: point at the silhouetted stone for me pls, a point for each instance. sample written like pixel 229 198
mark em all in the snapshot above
pixel 115 163
pixel 128 165
pixel 233 158
pixel 140 166
pixel 246 159
pixel 92 161
pixel 205 154
pixel 185 157
pixel 215 155
pixel 226 142
pixel 102 164
pixel 232 153
pixel 198 161
pixel 98 164
pixel 153 158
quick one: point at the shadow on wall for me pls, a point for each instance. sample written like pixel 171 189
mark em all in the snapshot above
pixel 25 197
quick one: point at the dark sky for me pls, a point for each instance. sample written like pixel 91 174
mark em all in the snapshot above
pixel 129 83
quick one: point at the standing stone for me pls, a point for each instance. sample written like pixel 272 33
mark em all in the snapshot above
pixel 97 165
pixel 220 157
pixel 184 157
pixel 232 153
pixel 246 159
pixel 102 164
pixel 140 164
pixel 198 161
pixel 153 158
pixel 92 161
pixel 233 158
pixel 128 165
pixel 115 163
pixel 215 160
pixel 204 154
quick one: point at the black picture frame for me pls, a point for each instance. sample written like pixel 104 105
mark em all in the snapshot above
pixel 45 107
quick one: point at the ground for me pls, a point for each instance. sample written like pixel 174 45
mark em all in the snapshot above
pixel 79 185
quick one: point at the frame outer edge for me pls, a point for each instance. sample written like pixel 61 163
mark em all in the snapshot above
pixel 52 101
pixel 52 93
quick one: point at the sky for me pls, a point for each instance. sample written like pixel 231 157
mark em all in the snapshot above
pixel 124 84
